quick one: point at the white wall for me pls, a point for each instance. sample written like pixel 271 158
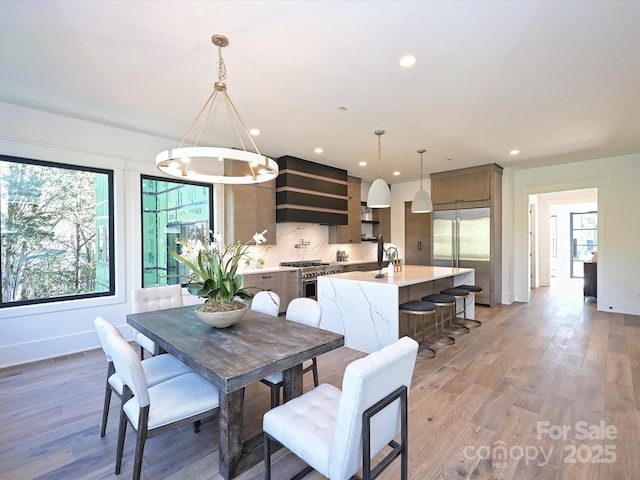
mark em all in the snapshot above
pixel 618 225
pixel 35 332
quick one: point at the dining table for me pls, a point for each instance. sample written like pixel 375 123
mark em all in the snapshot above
pixel 231 358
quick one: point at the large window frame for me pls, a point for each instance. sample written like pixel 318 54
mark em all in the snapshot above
pixel 584 240
pixel 104 232
pixel 179 221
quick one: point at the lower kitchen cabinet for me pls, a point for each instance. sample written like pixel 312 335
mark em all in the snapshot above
pixel 284 283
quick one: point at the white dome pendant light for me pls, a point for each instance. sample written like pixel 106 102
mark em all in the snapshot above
pixel 421 202
pixel 379 192
pixel 207 164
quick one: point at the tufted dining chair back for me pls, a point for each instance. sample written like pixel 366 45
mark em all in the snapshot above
pixel 338 432
pixel 156 298
pixel 148 300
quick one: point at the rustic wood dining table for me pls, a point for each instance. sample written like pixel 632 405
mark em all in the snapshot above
pixel 234 357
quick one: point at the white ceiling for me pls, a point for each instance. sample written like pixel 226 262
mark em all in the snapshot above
pixel 558 80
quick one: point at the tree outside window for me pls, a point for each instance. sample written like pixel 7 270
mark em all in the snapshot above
pixel 56 232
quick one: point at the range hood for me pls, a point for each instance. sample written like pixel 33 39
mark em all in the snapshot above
pixel 310 192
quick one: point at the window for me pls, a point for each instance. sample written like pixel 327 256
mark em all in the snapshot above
pixel 56 231
pixel 171 210
pixel 584 240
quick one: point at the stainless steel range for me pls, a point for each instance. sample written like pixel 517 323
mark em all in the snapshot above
pixel 310 270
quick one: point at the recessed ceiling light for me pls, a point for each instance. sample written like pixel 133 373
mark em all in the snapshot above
pixel 254 131
pixel 318 150
pixel 362 164
pixel 408 61
pixel 514 152
pixel 396 173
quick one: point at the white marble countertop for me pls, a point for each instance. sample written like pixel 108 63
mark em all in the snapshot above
pixel 353 262
pixel 266 270
pixel 410 275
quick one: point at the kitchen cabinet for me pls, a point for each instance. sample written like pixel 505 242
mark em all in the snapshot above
pixel 476 184
pixel 249 209
pixel 349 233
pixel 284 283
pixel 461 188
pixel 418 234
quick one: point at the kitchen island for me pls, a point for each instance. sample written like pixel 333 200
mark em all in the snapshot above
pixel 365 309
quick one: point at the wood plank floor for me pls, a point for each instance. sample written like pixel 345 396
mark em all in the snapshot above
pixel 548 390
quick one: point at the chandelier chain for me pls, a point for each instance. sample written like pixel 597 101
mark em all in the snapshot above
pixel 379 158
pixel 222 69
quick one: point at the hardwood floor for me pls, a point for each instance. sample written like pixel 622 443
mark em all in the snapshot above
pixel 548 389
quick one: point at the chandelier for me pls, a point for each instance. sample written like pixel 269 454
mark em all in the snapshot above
pixel 216 164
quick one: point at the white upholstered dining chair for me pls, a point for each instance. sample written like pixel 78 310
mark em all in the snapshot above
pixel 308 312
pixel 267 302
pixel 150 299
pixel 156 369
pixel 338 432
pixel 188 398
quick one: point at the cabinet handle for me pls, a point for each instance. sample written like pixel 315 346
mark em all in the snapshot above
pixel 266 276
pixel 419 245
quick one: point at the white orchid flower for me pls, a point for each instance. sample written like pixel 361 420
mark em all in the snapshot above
pixel 259 238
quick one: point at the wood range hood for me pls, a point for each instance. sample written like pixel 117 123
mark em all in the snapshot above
pixel 310 192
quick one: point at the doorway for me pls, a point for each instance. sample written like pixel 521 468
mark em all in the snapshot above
pixel 557 248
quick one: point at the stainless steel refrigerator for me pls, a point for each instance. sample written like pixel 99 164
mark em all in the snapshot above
pixel 462 238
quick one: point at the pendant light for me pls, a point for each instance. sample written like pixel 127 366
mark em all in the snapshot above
pixel 421 201
pixel 379 192
pixel 207 164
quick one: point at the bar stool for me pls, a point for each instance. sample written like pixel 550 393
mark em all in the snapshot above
pixel 461 293
pixel 419 309
pixel 446 307
pixel 442 303
pixel 473 290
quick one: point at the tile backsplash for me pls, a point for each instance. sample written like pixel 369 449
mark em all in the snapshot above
pixel 313 244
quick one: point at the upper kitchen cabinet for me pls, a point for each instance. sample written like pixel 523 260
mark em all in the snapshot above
pixel 249 209
pixel 478 185
pixel 349 233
